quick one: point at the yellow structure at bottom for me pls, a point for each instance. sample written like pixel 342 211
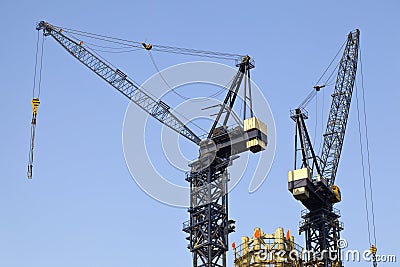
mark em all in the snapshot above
pixel 262 250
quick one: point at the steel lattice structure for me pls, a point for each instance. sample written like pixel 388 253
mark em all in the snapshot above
pixel 340 107
pixel 313 184
pixel 120 81
pixel 208 225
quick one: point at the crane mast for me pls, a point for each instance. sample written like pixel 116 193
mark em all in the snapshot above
pixel 209 226
pixel 312 183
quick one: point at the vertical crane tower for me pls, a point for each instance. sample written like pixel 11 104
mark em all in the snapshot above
pixel 313 182
pixel 209 226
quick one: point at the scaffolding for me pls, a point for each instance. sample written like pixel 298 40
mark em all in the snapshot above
pixel 268 250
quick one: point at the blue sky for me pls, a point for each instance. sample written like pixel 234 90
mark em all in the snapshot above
pixel 83 209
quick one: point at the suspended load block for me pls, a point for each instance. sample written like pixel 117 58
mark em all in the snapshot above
pixel 299 181
pixel 257 143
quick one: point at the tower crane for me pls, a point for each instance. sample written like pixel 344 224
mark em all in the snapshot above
pixel 313 180
pixel 209 226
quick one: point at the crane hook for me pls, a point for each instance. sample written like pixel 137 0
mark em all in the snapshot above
pixel 35 106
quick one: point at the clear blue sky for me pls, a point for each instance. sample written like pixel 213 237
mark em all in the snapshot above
pixel 83 209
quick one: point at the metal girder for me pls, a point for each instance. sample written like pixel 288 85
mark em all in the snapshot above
pixel 322 229
pixel 339 112
pixel 208 227
pixel 120 81
pixel 306 148
pixel 244 68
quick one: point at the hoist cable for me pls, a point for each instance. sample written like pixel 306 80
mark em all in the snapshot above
pixel 322 121
pixel 165 81
pixel 139 86
pixel 316 120
pixel 224 88
pixel 331 75
pixel 327 68
pixel 180 95
pixel 36 60
pixel 72 36
pixel 367 149
pixel 309 97
pixel 155 47
pixel 103 37
pixel 41 67
pixel 312 94
pixel 110 47
pixel 105 40
pixel 363 166
pixel 115 52
pixel 173 90
pixel 196 51
pixel 35 102
pixel 250 93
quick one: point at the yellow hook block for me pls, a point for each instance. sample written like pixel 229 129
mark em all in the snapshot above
pixel 373 249
pixel 35 105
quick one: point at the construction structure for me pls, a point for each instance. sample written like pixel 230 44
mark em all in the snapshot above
pixel 313 179
pixel 312 182
pixel 265 250
pixel 208 226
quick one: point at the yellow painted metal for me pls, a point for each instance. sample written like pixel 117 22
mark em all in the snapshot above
pixel 336 191
pixel 35 105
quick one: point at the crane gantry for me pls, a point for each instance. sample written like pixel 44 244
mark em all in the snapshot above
pixel 209 226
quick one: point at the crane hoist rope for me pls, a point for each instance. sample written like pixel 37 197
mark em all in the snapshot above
pixel 330 64
pixel 373 248
pixel 153 47
pixel 317 86
pixel 224 88
pixel 368 197
pixel 367 148
pixel 35 101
